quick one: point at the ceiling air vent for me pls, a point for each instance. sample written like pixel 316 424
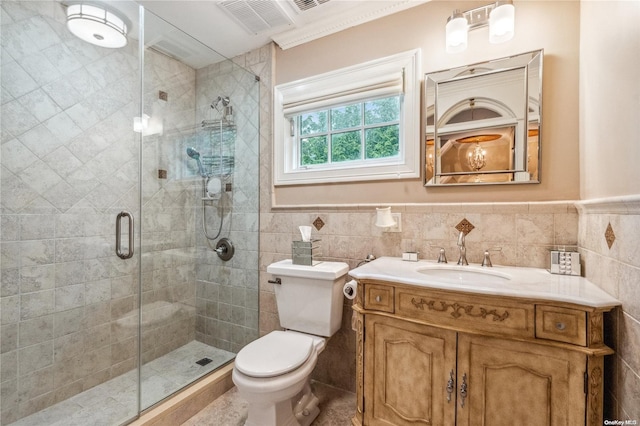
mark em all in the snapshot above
pixel 256 16
pixel 308 4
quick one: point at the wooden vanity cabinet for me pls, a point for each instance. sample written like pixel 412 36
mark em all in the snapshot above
pixel 406 372
pixel 447 362
pixel 519 383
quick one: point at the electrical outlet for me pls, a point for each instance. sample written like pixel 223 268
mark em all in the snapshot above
pixel 398 228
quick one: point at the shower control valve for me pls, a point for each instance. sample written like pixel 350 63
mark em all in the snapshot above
pixel 225 249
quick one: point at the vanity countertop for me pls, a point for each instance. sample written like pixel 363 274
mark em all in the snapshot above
pixel 498 280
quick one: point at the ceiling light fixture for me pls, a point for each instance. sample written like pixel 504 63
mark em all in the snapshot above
pixel 96 25
pixel 499 16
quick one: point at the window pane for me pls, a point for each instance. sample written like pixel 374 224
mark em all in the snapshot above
pixel 314 151
pixel 346 117
pixel 382 110
pixel 313 122
pixel 382 142
pixel 346 146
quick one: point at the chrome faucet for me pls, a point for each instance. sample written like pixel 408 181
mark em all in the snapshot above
pixel 463 250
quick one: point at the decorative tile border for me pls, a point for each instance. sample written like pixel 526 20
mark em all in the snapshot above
pixel 568 206
pixel 629 204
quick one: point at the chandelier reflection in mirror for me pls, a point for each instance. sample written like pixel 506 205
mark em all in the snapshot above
pixel 477 159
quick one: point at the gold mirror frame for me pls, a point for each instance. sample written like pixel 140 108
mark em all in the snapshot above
pixel 484 122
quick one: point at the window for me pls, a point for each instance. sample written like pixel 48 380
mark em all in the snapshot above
pixel 358 123
pixel 357 132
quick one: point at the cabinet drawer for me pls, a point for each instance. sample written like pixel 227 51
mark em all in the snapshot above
pixel 561 324
pixel 473 313
pixel 378 297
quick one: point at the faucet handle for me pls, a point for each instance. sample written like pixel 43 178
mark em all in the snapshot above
pixel 442 256
pixel 486 260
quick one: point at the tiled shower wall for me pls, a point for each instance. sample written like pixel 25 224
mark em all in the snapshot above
pixel 616 269
pixel 168 200
pixel 227 292
pixel 69 165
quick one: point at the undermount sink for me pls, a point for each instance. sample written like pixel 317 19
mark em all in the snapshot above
pixel 464 274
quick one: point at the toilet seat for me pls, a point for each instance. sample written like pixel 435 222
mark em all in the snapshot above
pixel 274 354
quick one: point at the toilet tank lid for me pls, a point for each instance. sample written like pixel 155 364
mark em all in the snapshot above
pixel 321 270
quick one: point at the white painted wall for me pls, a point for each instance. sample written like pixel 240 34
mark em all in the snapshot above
pixel 609 98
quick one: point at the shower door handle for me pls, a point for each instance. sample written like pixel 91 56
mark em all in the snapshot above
pixel 119 252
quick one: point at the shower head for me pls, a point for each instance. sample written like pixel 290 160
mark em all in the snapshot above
pixel 191 152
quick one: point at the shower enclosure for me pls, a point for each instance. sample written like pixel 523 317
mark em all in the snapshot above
pixel 97 327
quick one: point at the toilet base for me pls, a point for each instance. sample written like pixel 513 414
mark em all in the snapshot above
pixel 301 410
pixel 306 408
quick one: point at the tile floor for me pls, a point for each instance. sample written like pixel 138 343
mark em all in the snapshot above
pixel 114 402
pixel 336 409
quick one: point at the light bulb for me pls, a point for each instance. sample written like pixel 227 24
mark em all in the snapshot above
pixel 501 23
pixel 456 33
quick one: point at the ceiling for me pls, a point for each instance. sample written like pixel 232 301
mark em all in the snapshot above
pixel 234 27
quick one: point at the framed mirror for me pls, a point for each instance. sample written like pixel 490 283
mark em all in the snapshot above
pixel 484 122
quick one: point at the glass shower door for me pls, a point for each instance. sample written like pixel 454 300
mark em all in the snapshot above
pixel 94 157
pixel 70 166
pixel 199 176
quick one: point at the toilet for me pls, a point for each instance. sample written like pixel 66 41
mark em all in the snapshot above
pixel 273 372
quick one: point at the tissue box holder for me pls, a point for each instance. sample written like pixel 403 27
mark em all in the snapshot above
pixel 302 252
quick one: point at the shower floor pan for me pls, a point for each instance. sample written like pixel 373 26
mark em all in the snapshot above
pixel 114 402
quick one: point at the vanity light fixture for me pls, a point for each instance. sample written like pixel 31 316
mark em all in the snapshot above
pixel 457 32
pixel 499 16
pixel 95 24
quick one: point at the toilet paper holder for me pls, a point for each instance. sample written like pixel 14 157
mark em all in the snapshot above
pixel 350 289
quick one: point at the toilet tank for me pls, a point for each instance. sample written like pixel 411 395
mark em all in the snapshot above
pixel 310 298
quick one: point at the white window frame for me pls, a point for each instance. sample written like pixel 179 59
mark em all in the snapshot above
pixel 386 76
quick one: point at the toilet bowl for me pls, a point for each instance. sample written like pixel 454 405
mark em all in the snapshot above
pixel 272 374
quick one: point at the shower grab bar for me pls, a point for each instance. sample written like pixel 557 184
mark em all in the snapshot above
pixel 119 252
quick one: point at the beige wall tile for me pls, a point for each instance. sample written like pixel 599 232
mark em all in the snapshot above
pixel 629 347
pixel 612 270
pixel 629 394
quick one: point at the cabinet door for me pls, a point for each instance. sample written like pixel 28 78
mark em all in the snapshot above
pixel 518 383
pixel 407 367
